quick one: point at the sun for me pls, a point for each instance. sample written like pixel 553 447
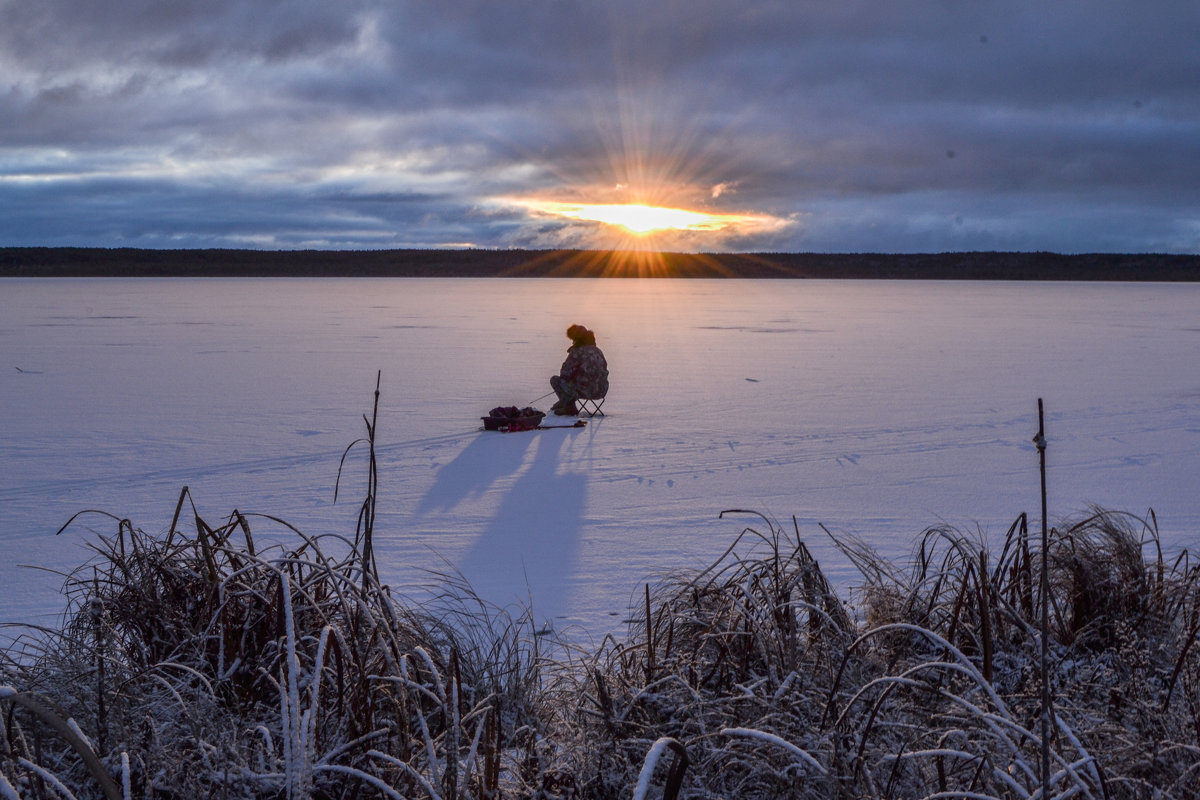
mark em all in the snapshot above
pixel 638 218
pixel 630 222
pixel 637 238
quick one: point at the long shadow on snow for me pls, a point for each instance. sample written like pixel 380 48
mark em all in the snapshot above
pixel 529 548
pixel 488 458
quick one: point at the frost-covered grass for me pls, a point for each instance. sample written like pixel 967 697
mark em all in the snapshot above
pixel 199 664
pixel 213 669
pixel 193 664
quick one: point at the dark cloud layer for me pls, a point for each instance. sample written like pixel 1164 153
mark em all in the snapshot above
pixel 909 126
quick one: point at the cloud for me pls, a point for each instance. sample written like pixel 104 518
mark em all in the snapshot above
pixel 371 123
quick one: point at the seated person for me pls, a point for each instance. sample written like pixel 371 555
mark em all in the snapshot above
pixel 584 374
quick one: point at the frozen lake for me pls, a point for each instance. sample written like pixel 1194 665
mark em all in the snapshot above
pixel 876 408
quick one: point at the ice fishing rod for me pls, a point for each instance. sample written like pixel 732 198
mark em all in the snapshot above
pixel 543 397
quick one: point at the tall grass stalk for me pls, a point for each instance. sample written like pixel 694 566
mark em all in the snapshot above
pixel 1044 661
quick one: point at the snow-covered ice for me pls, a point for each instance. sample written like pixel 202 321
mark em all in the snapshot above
pixel 875 408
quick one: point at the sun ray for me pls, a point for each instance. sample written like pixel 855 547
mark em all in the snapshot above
pixel 653 171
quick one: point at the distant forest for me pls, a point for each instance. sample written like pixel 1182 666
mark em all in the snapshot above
pixel 128 262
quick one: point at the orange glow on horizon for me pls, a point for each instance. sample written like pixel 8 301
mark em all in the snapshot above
pixel 635 225
pixel 638 218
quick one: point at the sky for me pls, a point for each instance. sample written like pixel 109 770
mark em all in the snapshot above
pixel 849 126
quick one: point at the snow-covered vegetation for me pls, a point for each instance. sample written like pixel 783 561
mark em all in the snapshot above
pixel 198 664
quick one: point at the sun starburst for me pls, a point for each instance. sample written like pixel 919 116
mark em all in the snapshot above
pixel 642 224
pixel 653 175
pixel 638 218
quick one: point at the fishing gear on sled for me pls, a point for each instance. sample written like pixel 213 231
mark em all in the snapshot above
pixel 510 419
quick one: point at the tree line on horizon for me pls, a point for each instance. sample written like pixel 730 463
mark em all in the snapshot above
pixel 132 262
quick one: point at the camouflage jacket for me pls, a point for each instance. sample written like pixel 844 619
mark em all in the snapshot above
pixel 586 371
